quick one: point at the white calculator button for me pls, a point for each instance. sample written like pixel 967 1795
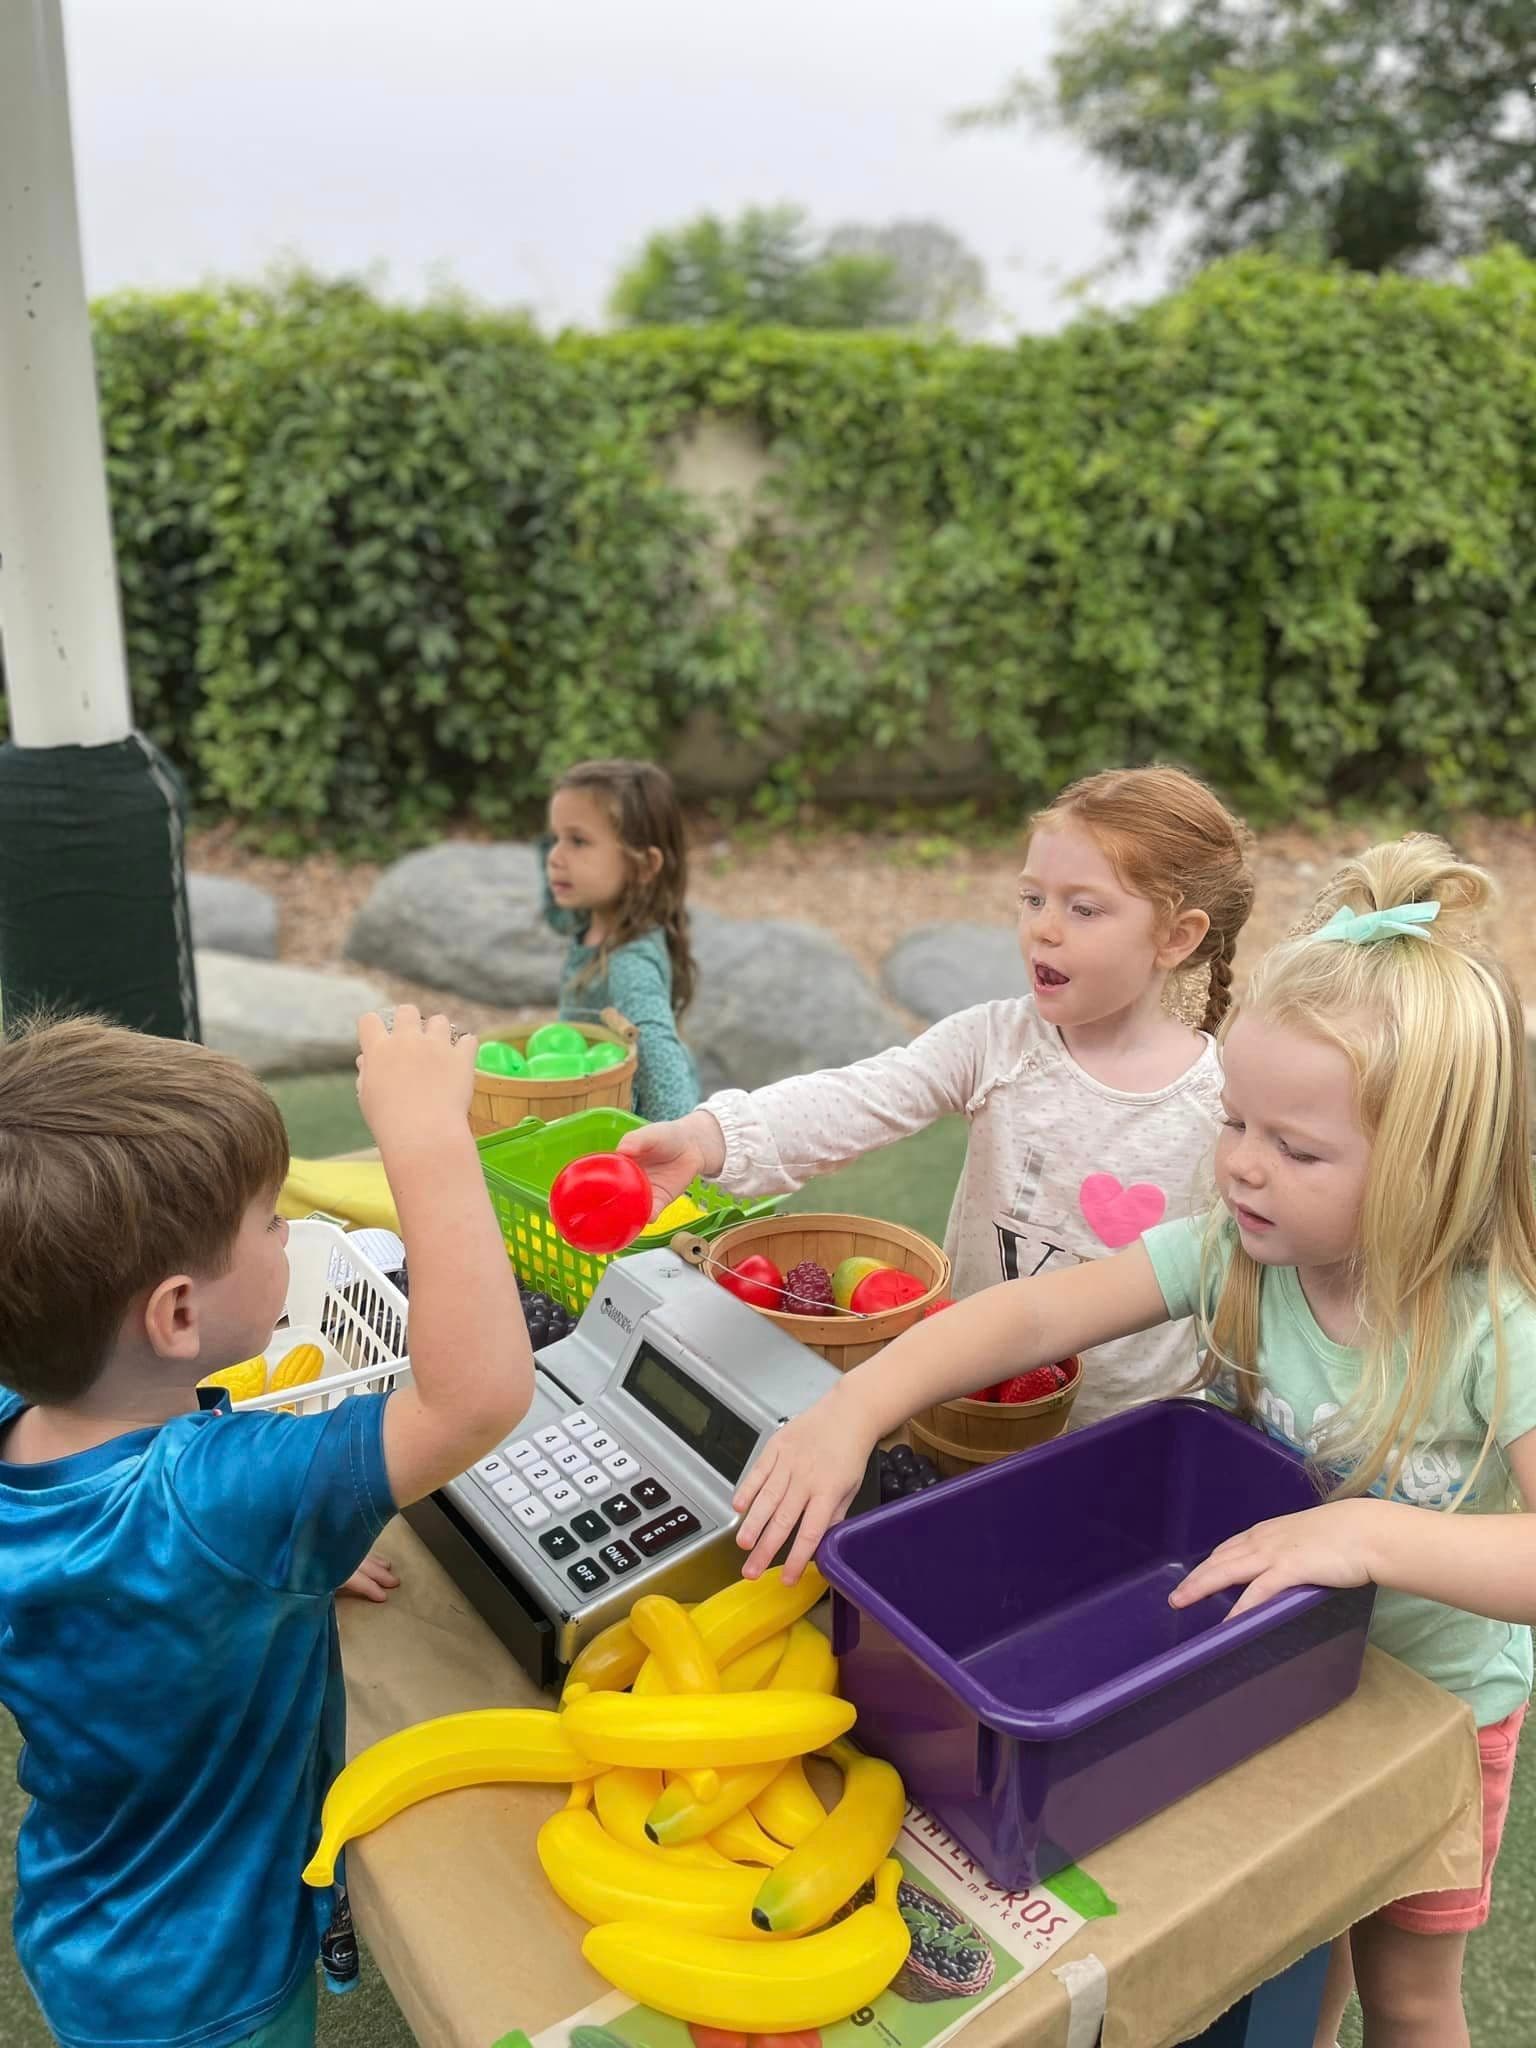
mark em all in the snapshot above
pixel 520 1453
pixel 621 1464
pixel 492 1468
pixel 600 1445
pixel 560 1495
pixel 549 1439
pixel 540 1474
pixel 530 1512
pixel 580 1424
pixel 591 1480
pixel 571 1459
pixel 510 1490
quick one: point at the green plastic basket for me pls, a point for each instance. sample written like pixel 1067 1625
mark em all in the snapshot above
pixel 520 1166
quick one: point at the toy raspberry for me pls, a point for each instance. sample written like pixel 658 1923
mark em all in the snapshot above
pixel 808 1290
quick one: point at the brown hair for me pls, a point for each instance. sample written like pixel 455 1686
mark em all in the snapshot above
pixel 123 1159
pixel 642 806
pixel 1171 840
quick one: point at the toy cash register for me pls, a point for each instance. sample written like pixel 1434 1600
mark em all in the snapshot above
pixel 619 1479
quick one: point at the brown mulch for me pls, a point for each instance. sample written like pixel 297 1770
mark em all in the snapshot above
pixel 869 891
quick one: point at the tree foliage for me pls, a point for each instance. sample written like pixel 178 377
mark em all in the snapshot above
pixel 382 567
pixel 1377 133
pixel 764 269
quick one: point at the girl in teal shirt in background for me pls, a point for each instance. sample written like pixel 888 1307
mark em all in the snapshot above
pixel 616 885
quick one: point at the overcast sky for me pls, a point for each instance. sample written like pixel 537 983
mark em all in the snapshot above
pixel 523 148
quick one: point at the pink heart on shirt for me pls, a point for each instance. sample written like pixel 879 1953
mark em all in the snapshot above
pixel 1118 1215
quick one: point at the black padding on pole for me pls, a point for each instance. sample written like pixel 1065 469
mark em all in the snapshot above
pixel 93 889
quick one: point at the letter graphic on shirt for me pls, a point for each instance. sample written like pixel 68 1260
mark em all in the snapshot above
pixel 1027 1242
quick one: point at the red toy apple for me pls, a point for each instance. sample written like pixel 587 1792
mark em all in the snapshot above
pixel 755 1280
pixel 945 1301
pixel 889 1288
pixel 600 1203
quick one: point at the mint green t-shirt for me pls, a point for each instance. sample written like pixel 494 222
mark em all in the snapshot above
pixel 1307 1379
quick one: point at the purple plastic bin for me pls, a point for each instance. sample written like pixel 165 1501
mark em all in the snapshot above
pixel 1007 1638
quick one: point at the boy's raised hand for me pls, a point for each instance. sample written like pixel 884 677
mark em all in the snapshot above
pixel 806 1474
pixel 674 1155
pixel 414 1079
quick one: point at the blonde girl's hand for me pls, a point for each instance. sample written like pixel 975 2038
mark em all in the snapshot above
pixel 801 1484
pixel 1329 1545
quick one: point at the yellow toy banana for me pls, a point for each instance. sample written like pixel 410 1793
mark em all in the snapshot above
pixel 242 1382
pixel 748 1611
pixel 357 1190
pixel 778 1988
pixel 623 1798
pixel 788 1806
pixel 677 1649
pixel 754 1668
pixel 685 1811
pixel 493 1746
pixel 611 1661
pixel 602 1879
pixel 852 1842
pixel 741 1839
pixel 697 1731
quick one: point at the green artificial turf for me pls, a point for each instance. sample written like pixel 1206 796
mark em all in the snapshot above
pixel 911 1183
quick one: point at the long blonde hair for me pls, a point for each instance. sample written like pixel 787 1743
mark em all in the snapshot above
pixel 1432 1026
pixel 1172 841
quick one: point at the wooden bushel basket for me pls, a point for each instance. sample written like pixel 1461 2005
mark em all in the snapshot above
pixel 501 1101
pixel 960 1435
pixel 842 1339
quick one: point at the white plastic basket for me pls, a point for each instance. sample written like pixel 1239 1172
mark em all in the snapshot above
pixel 341 1302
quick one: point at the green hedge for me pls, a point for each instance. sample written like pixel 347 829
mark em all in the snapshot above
pixel 382 566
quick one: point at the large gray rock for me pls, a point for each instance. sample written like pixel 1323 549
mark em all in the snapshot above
pixel 941 968
pixel 777 999
pixel 281 1020
pixel 466 918
pixel 232 917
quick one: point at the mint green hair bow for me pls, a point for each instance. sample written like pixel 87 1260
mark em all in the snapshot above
pixel 1363 927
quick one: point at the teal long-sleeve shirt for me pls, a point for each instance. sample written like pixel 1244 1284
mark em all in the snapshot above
pixel 637 981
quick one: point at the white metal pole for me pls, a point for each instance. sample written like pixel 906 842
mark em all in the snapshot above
pixel 66 675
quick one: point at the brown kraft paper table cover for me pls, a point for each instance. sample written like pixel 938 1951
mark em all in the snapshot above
pixel 1217 1894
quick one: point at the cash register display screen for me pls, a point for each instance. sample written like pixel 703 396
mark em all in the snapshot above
pixel 717 1433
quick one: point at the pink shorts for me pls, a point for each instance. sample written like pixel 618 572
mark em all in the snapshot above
pixel 1461 1912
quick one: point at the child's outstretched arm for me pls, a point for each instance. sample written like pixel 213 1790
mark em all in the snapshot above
pixel 1483 1564
pixel 777 1138
pixel 471 1365
pixel 808 1473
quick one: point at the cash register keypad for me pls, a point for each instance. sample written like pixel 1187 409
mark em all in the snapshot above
pixel 579 1471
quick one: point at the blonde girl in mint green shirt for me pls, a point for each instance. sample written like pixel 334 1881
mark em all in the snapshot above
pixel 1366 1290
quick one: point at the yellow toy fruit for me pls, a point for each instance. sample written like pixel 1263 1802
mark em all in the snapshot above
pixel 748 1611
pixel 754 1668
pixel 492 1746
pixel 242 1382
pixel 356 1190
pixel 852 1842
pixel 678 1215
pixel 702 1731
pixel 688 1810
pixel 602 1879
pixel 677 1649
pixel 740 1987
pixel 742 1840
pixel 788 1806
pixel 296 1368
pixel 610 1662
pixel 848 1275
pixel 623 1798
